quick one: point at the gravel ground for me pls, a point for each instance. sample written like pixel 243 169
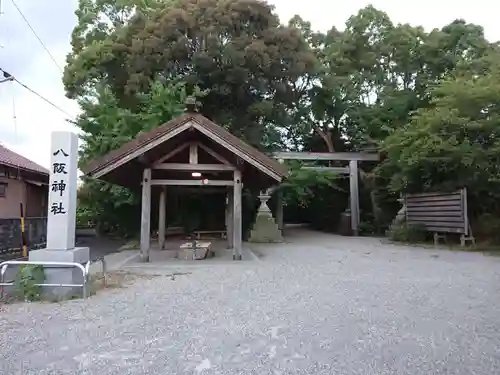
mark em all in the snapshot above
pixel 318 305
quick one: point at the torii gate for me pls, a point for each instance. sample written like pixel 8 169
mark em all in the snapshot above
pixel 352 170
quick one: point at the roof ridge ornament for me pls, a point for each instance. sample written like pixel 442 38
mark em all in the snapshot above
pixel 191 104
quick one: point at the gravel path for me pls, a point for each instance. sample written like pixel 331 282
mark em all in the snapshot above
pixel 318 305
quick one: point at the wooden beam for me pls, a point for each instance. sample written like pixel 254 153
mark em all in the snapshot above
pixel 342 170
pixel 214 154
pixel 146 215
pixel 360 156
pixel 250 160
pixel 192 183
pixel 237 216
pixel 229 218
pixel 279 209
pixel 162 218
pixel 194 167
pixel 171 154
pixel 201 190
pixel 193 153
pixel 354 196
pixel 141 150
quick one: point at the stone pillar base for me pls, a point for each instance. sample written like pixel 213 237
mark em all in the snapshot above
pixel 265 230
pixel 61 275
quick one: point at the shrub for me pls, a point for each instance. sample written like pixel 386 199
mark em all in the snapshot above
pixel 408 233
pixel 27 278
pixel 487 227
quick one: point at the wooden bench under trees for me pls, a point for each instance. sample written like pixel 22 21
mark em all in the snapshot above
pixel 440 213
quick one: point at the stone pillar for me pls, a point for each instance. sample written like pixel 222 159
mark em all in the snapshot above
pixel 61 218
pixel 265 229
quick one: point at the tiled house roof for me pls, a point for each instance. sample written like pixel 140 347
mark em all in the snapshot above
pixel 11 159
pixel 154 134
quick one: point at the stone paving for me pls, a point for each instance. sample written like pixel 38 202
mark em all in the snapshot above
pixel 320 304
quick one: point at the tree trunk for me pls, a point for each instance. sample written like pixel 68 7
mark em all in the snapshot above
pixel 326 136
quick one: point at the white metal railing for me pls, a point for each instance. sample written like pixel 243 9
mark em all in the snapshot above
pixel 85 273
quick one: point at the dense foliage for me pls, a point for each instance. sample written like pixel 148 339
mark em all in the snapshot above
pixel 427 99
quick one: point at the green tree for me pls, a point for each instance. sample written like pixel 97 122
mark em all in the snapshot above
pixel 236 49
pixel 456 141
pixel 373 77
pixel 92 40
pixel 107 126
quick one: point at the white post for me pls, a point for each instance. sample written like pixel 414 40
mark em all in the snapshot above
pixel 61 216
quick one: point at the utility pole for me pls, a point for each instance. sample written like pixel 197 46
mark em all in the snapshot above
pixel 6 76
pixel 1 14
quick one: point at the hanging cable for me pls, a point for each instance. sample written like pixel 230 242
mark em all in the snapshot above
pixel 43 98
pixel 36 35
pixel 11 77
pixel 14 116
pixel 14 120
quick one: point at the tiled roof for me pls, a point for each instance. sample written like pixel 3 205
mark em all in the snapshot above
pixel 14 160
pixel 154 134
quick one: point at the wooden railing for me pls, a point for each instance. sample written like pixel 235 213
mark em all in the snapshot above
pixel 35 236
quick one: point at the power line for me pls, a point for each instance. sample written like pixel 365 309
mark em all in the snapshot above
pixel 36 35
pixel 43 98
pixel 12 78
pixel 14 116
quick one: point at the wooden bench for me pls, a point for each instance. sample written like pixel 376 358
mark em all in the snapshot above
pixel 204 247
pixel 221 233
pixel 173 231
pixel 440 213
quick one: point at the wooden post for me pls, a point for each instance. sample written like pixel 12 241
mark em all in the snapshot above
pixel 237 217
pixel 229 217
pixel 279 209
pixel 162 218
pixel 193 153
pixel 146 214
pixel 354 195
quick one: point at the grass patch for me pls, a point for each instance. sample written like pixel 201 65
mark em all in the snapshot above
pixel 486 248
pixel 116 279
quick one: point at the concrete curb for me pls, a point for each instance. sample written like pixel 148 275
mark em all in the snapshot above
pixel 115 261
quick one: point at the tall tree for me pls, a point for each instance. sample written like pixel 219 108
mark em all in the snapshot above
pixel 107 126
pixel 91 39
pixel 236 49
pixel 455 142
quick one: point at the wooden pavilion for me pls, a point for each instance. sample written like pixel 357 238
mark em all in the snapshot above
pixel 188 151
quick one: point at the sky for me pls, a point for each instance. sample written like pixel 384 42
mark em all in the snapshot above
pixel 26 121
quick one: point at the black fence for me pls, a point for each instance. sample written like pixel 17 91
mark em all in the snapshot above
pixel 35 236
